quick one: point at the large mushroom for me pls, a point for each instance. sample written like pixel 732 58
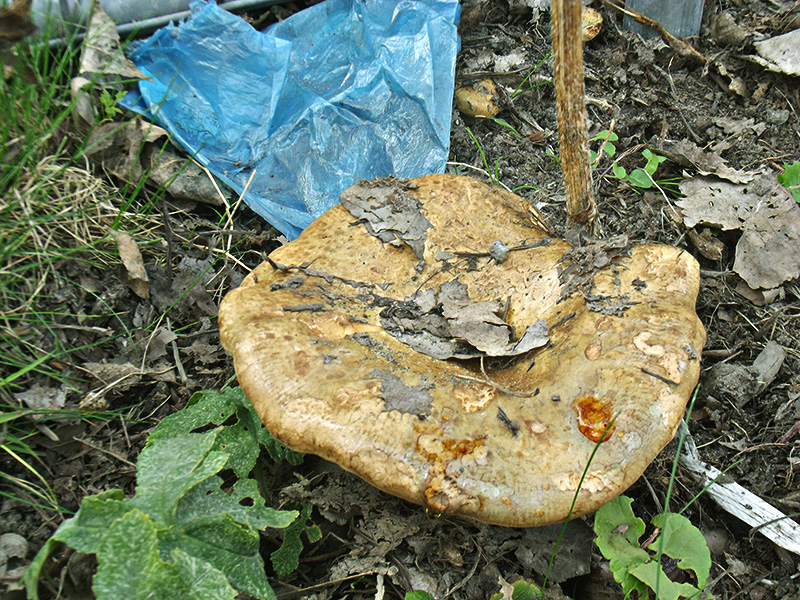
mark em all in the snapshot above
pixel 429 336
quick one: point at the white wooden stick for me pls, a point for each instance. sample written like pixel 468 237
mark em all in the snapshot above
pixel 740 502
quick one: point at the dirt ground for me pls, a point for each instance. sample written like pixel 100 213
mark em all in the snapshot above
pixel 372 543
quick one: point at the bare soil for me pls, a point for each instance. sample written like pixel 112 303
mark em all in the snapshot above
pixel 372 543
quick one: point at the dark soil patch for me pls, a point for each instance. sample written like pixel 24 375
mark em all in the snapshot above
pixel 130 362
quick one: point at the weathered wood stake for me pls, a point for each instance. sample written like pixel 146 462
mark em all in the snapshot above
pixel 571 111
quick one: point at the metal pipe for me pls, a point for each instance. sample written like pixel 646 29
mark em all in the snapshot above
pixel 64 20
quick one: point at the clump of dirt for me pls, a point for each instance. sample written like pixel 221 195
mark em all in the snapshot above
pixel 126 358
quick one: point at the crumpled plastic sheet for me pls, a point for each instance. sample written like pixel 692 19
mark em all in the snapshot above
pixel 342 91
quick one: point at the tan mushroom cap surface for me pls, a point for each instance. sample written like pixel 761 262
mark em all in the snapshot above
pixel 504 439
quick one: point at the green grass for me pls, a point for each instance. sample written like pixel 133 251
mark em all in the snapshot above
pixel 57 218
pixel 59 215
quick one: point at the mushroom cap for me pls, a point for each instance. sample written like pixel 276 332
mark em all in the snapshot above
pixel 331 342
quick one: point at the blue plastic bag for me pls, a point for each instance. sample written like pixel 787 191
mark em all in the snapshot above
pixel 342 91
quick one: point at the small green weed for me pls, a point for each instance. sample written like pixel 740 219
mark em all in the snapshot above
pixel 607 147
pixel 638 568
pixel 643 179
pixel 496 178
pixel 109 106
pixel 521 90
pixel 185 533
pixel 493 172
pixel 790 179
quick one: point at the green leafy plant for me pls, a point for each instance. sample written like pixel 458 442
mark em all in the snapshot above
pixel 287 558
pixel 637 567
pixel 494 172
pixel 494 177
pixel 644 178
pixel 109 106
pixel 607 147
pixel 418 595
pixel 790 179
pixel 520 590
pixel 186 533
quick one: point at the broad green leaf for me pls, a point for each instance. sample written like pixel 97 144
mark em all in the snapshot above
pixel 605 134
pixel 277 451
pixel 128 563
pixel 227 545
pixel 619 172
pixel 97 513
pixel 520 590
pixel 525 591
pixel 203 582
pixel 618 532
pixel 665 588
pixel 418 595
pixel 244 504
pixel 83 532
pixel 130 566
pixel 653 160
pixel 182 535
pixel 210 408
pixel 610 149
pixel 640 179
pixel 286 558
pixel 34 571
pixel 790 179
pixel 685 543
pixel 170 467
pixel 240 436
pixel 202 409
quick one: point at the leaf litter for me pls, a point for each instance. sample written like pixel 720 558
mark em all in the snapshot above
pixel 768 252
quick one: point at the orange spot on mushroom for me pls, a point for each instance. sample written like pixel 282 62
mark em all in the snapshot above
pixel 594 416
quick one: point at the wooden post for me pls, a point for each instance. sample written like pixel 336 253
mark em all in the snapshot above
pixel 571 111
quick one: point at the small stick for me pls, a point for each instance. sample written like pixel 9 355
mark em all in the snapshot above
pixel 682 47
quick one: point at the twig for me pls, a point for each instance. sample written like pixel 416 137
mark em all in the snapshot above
pixel 176 355
pixel 681 47
pixel 668 76
pixel 103 450
pixel 488 381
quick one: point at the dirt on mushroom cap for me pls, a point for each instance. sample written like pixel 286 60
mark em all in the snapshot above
pixel 501 439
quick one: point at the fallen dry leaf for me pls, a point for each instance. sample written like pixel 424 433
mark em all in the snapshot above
pixel 118 146
pixel 768 253
pixel 102 54
pixel 134 276
pixel 781 53
pixel 691 156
